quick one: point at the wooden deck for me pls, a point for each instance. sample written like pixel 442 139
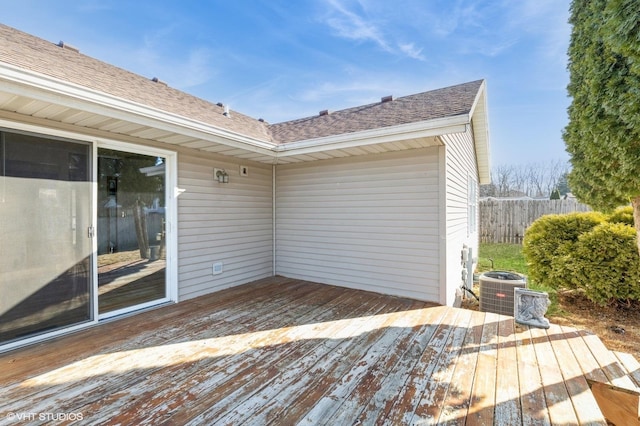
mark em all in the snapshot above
pixel 285 352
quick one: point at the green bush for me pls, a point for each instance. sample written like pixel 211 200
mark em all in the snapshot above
pixel 622 215
pixel 549 242
pixel 606 263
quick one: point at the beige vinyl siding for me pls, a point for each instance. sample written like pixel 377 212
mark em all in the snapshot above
pixel 367 223
pixel 461 166
pixel 229 223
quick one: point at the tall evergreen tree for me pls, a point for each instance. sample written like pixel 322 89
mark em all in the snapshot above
pixel 603 134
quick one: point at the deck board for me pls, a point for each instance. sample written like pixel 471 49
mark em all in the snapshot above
pixel 483 396
pixel 284 351
pixel 532 399
pixel 585 405
pixel 508 410
pixel 558 400
pixel 458 399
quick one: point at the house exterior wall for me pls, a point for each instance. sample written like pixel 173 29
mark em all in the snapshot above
pixel 461 170
pixel 229 223
pixel 369 222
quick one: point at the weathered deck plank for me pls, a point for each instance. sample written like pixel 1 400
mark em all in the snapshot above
pixel 429 408
pixel 104 370
pixel 284 351
pixel 532 399
pixel 456 404
pixel 607 361
pixel 584 403
pixel 631 365
pixel 508 410
pixel 387 377
pixel 558 401
pixel 483 395
pixel 334 343
pixel 406 402
pixel 229 354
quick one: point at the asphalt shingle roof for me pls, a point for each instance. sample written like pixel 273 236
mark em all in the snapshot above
pixel 440 103
pixel 32 53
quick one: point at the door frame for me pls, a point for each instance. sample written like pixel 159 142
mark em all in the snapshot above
pixel 171 285
pixel 171 227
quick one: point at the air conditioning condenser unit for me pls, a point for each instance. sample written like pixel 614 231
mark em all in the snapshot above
pixel 497 290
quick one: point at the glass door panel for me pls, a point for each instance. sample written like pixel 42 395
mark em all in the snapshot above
pixel 131 230
pixel 46 250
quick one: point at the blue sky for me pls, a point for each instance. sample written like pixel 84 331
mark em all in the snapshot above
pixel 281 60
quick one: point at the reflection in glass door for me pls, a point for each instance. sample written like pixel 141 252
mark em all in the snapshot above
pixel 45 244
pixel 131 230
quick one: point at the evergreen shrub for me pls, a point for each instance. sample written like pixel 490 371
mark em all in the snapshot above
pixel 591 251
pixel 606 264
pixel 622 215
pixel 549 242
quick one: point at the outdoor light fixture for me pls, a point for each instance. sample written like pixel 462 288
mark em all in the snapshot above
pixel 221 175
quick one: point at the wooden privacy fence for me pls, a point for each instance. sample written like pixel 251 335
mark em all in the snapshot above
pixel 505 220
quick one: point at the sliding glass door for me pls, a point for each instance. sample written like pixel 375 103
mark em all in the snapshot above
pixel 45 235
pixel 131 230
pixel 84 233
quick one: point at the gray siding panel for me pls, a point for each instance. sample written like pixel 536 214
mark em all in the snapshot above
pixel 229 223
pixel 461 165
pixel 367 223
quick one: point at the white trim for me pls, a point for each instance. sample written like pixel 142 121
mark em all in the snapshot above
pixel 423 129
pixel 472 204
pixel 94 224
pixel 46 336
pixel 44 88
pixel 479 94
pixel 479 115
pixel 48 89
pixel 43 130
pixel 273 216
pixel 171 218
pixel 132 309
pixel 443 213
pixel 68 137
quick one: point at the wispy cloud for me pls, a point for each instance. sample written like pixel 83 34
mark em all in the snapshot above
pixel 342 17
pixel 350 25
pixel 181 66
pixel 412 51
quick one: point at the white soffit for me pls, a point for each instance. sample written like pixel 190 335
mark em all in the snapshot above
pixel 46 98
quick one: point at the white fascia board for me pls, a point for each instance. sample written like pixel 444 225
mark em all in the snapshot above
pixel 48 89
pixel 480 114
pixel 431 128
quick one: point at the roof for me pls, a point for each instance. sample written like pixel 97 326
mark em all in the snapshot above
pixel 32 53
pixel 435 104
pixel 52 82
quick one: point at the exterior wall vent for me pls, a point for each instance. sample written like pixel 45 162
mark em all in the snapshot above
pixel 386 99
pixel 68 46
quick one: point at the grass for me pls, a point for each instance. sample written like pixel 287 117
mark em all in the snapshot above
pixel 505 257
pixel 509 257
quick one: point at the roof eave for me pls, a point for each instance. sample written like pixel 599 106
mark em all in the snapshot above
pixel 422 129
pixel 37 86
